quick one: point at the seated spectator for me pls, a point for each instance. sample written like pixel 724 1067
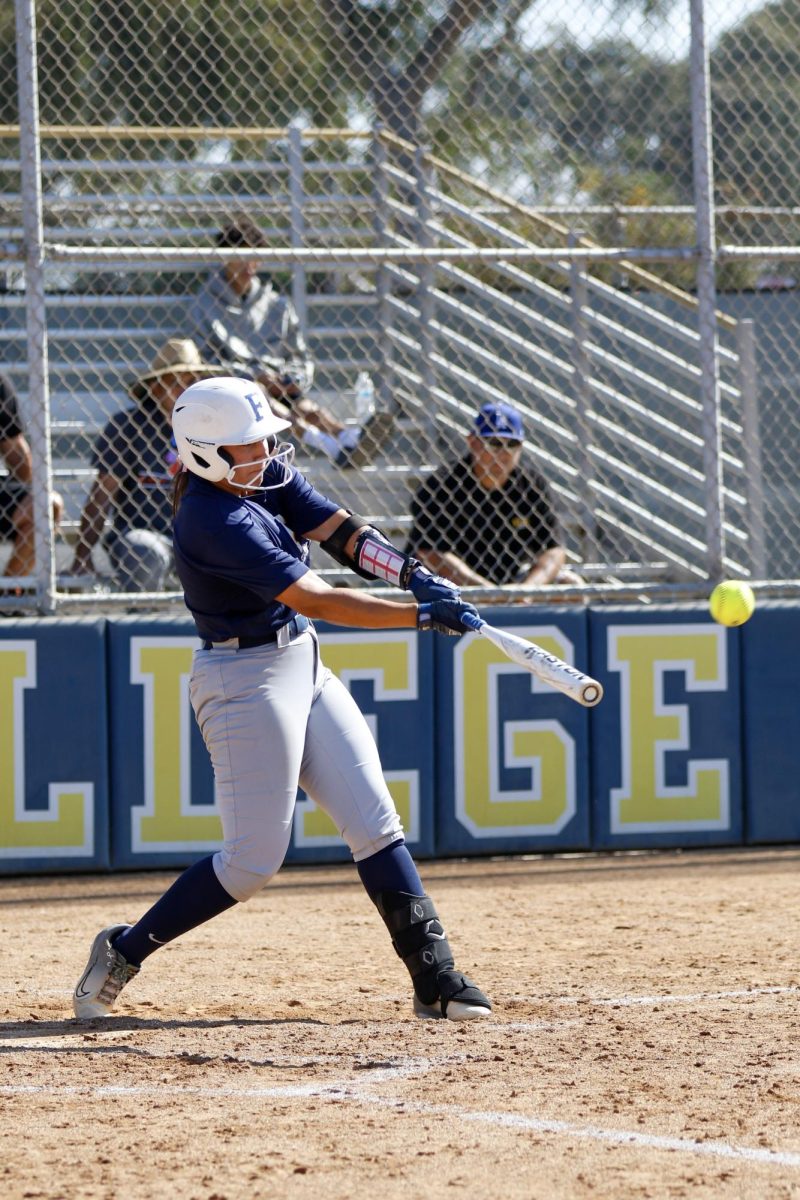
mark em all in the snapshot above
pixel 135 460
pixel 16 498
pixel 487 520
pixel 241 322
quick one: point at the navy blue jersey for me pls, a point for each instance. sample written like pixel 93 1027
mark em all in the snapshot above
pixel 235 554
pixel 136 447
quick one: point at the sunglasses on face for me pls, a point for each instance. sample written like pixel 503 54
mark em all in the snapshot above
pixel 498 443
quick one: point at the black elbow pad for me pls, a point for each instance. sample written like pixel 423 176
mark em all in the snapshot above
pixel 374 558
pixel 335 544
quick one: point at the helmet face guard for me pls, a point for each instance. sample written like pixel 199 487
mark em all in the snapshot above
pixel 277 465
pixel 228 411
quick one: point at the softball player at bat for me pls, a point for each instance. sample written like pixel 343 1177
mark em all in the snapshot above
pixel 272 716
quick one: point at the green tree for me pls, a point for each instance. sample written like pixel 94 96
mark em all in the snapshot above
pixel 559 122
pixel 756 91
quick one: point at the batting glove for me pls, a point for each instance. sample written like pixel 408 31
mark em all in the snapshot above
pixel 444 615
pixel 424 586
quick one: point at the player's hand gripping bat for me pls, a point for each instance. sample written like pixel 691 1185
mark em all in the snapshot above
pixel 547 667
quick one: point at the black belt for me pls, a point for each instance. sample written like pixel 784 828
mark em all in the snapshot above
pixel 295 627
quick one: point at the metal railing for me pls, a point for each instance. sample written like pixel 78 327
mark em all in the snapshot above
pixel 450 339
pixel 643 402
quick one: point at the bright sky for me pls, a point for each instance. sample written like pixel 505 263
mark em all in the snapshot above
pixel 669 39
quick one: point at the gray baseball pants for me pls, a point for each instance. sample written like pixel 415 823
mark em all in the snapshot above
pixel 274 717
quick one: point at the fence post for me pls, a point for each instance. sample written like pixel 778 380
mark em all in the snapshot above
pixel 425 296
pixel 751 438
pixel 703 172
pixel 579 296
pixel 386 380
pixel 297 222
pixel 38 407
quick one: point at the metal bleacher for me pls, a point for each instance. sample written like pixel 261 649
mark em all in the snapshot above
pixel 98 345
pixel 607 378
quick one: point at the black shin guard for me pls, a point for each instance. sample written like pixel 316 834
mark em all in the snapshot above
pixel 418 937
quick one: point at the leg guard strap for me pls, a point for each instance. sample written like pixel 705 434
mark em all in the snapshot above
pixel 433 956
pixel 413 910
pixel 419 939
pixel 455 986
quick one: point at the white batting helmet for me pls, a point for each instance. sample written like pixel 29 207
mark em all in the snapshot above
pixel 226 411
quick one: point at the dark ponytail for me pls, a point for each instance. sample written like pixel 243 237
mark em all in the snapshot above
pixel 179 486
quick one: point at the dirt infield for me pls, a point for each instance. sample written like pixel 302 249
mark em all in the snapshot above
pixel 645 1041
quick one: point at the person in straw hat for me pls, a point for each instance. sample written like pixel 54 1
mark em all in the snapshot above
pixel 135 460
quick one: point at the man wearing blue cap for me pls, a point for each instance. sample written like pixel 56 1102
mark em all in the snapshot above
pixel 487 519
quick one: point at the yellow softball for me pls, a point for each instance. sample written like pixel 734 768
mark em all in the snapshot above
pixel 732 602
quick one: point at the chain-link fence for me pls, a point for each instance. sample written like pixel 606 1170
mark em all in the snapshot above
pixel 392 215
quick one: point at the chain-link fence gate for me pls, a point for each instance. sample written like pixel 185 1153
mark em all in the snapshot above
pixel 447 206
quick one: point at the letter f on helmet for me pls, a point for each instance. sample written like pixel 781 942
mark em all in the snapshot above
pixel 224 411
pixel 256 400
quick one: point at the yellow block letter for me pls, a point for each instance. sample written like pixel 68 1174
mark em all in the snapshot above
pixel 650 728
pixel 389 659
pixel 66 827
pixel 168 821
pixel 544 747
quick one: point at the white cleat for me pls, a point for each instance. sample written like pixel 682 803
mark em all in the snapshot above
pixel 471 1006
pixel 455 1011
pixel 105 976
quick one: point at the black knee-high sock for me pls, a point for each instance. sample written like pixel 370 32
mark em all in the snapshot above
pixel 195 897
pixel 390 870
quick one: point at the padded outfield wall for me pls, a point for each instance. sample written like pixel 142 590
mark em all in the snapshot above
pixel 697 741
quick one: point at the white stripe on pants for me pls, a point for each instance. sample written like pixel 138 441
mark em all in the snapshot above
pixel 272 718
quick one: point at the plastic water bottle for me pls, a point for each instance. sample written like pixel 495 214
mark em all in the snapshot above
pixel 364 397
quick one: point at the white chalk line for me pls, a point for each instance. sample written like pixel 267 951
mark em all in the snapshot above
pixel 624 1001
pixel 344 1092
pixel 78 1038
pixel 619 1137
pixel 97 1030
pixel 667 998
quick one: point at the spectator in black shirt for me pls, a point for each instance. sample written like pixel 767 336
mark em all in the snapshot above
pixel 135 460
pixel 16 498
pixel 487 519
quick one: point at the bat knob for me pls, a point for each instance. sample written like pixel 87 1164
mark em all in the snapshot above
pixel 592 694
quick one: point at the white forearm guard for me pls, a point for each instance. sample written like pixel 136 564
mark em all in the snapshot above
pixel 378 558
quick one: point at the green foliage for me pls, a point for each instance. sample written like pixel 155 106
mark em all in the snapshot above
pixel 756 95
pixel 549 124
pixel 194 62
